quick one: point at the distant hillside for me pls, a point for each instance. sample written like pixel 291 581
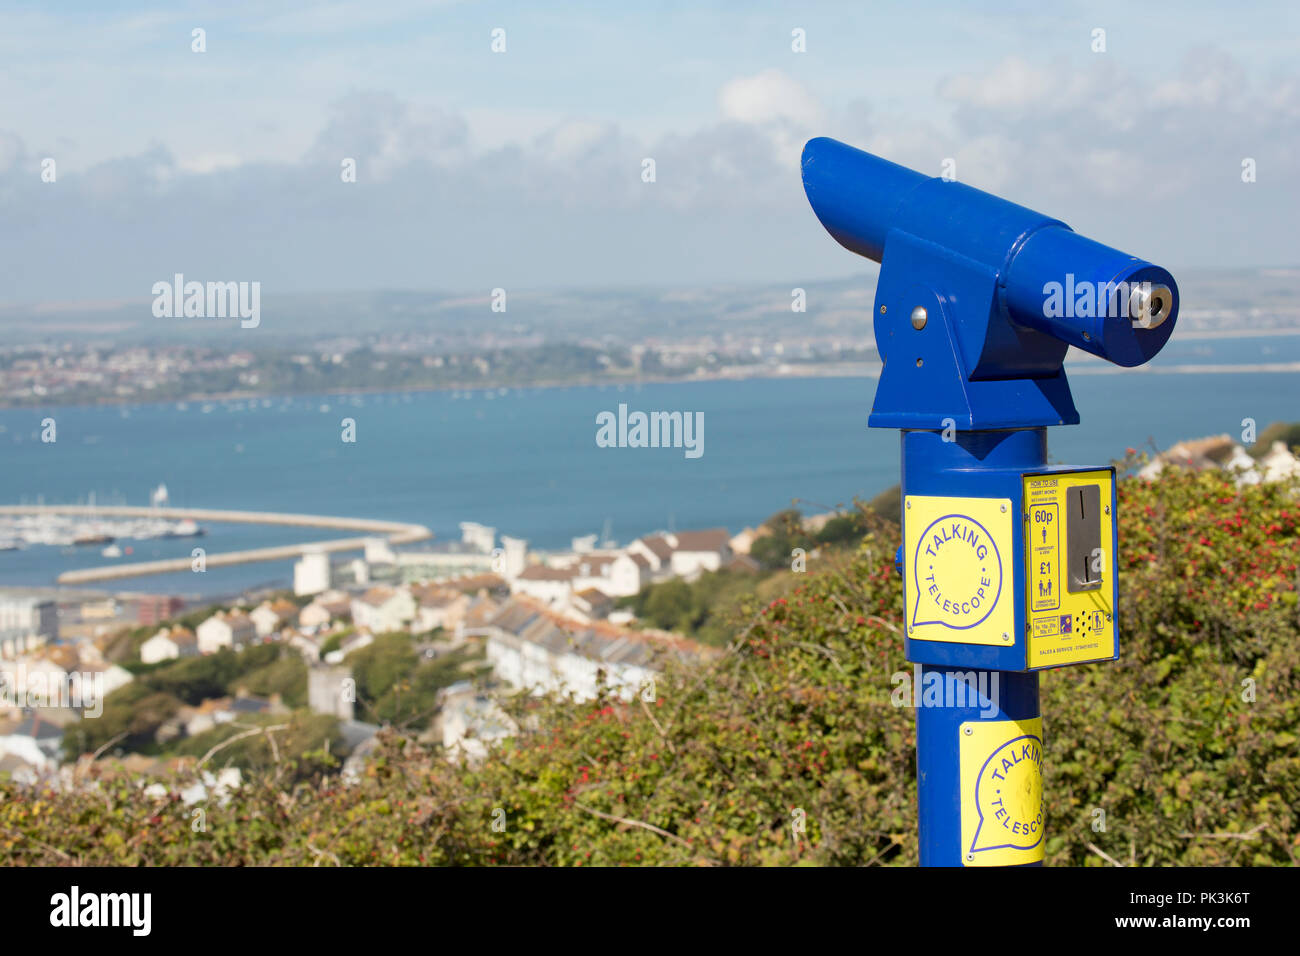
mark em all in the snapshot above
pixel 1211 300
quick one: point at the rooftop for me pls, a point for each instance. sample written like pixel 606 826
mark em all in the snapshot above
pixel 523 619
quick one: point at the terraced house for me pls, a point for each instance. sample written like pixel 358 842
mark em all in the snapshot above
pixel 530 646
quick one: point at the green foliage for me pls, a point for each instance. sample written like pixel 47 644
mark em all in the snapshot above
pixel 784 533
pixel 335 641
pixel 141 707
pixel 132 714
pixel 1188 742
pixel 397 686
pixel 1287 434
pixel 888 504
pixel 195 679
pixel 286 675
pixel 1190 735
pixel 308 746
pixel 390 659
pixel 705 609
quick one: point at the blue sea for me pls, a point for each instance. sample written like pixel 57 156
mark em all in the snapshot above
pixel 526 460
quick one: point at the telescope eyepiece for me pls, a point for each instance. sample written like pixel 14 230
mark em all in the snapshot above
pixel 1149 305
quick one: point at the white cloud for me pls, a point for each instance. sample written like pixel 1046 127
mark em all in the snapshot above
pixel 1013 84
pixel 457 199
pixel 208 162
pixel 386 133
pixel 1216 81
pixel 768 96
pixel 570 138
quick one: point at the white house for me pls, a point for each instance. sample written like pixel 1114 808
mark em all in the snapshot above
pixel 616 573
pixel 109 678
pixel 383 609
pixel 1242 465
pixel 627 574
pixel 232 630
pixel 656 550
pixel 14 644
pixel 546 584
pixel 697 551
pixel 311 573
pixel 324 608
pixel 33 740
pixel 591 604
pixel 64 676
pixel 591 570
pixel 438 608
pixel 683 554
pixel 513 558
pixel 332 690
pixel 470 722
pixel 315 615
pixel 30 678
pixel 743 540
pixel 23 614
pixel 1278 464
pixel 308 646
pixel 268 617
pixel 1220 451
pixel 530 646
pixel 169 644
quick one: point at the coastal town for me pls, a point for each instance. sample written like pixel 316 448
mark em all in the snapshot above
pixel 514 618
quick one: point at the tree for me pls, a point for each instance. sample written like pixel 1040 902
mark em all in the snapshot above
pixel 132 714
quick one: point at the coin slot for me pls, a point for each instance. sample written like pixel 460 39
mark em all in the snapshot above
pixel 1084 558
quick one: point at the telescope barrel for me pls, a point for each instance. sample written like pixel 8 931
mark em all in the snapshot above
pixel 855 194
pixel 1049 277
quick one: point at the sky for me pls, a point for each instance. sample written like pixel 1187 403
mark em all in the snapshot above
pixel 478 169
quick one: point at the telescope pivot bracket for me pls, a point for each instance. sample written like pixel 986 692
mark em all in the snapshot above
pixel 966 365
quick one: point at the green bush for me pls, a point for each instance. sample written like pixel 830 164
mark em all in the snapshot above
pixel 159 691
pixel 397 686
pixel 307 746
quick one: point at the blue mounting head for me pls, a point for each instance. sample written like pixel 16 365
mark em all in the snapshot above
pixel 979 299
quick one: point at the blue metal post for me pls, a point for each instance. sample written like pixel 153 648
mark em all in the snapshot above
pixel 938 734
pixel 972 463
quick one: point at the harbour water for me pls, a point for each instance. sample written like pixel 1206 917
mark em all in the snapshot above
pixel 527 461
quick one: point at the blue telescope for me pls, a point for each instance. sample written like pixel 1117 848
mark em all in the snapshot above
pixel 1009 564
pixel 979 298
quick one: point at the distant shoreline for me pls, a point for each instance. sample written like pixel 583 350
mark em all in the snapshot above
pixel 830 370
pixel 732 374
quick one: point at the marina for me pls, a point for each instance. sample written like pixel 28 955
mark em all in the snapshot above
pixel 63 531
pixel 93 526
pixel 396 533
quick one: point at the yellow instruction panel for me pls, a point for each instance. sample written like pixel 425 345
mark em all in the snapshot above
pixel 1069 567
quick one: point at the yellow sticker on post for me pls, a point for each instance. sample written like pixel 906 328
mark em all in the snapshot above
pixel 959 572
pixel 1001 792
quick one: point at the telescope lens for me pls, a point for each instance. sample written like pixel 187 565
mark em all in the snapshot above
pixel 1149 306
